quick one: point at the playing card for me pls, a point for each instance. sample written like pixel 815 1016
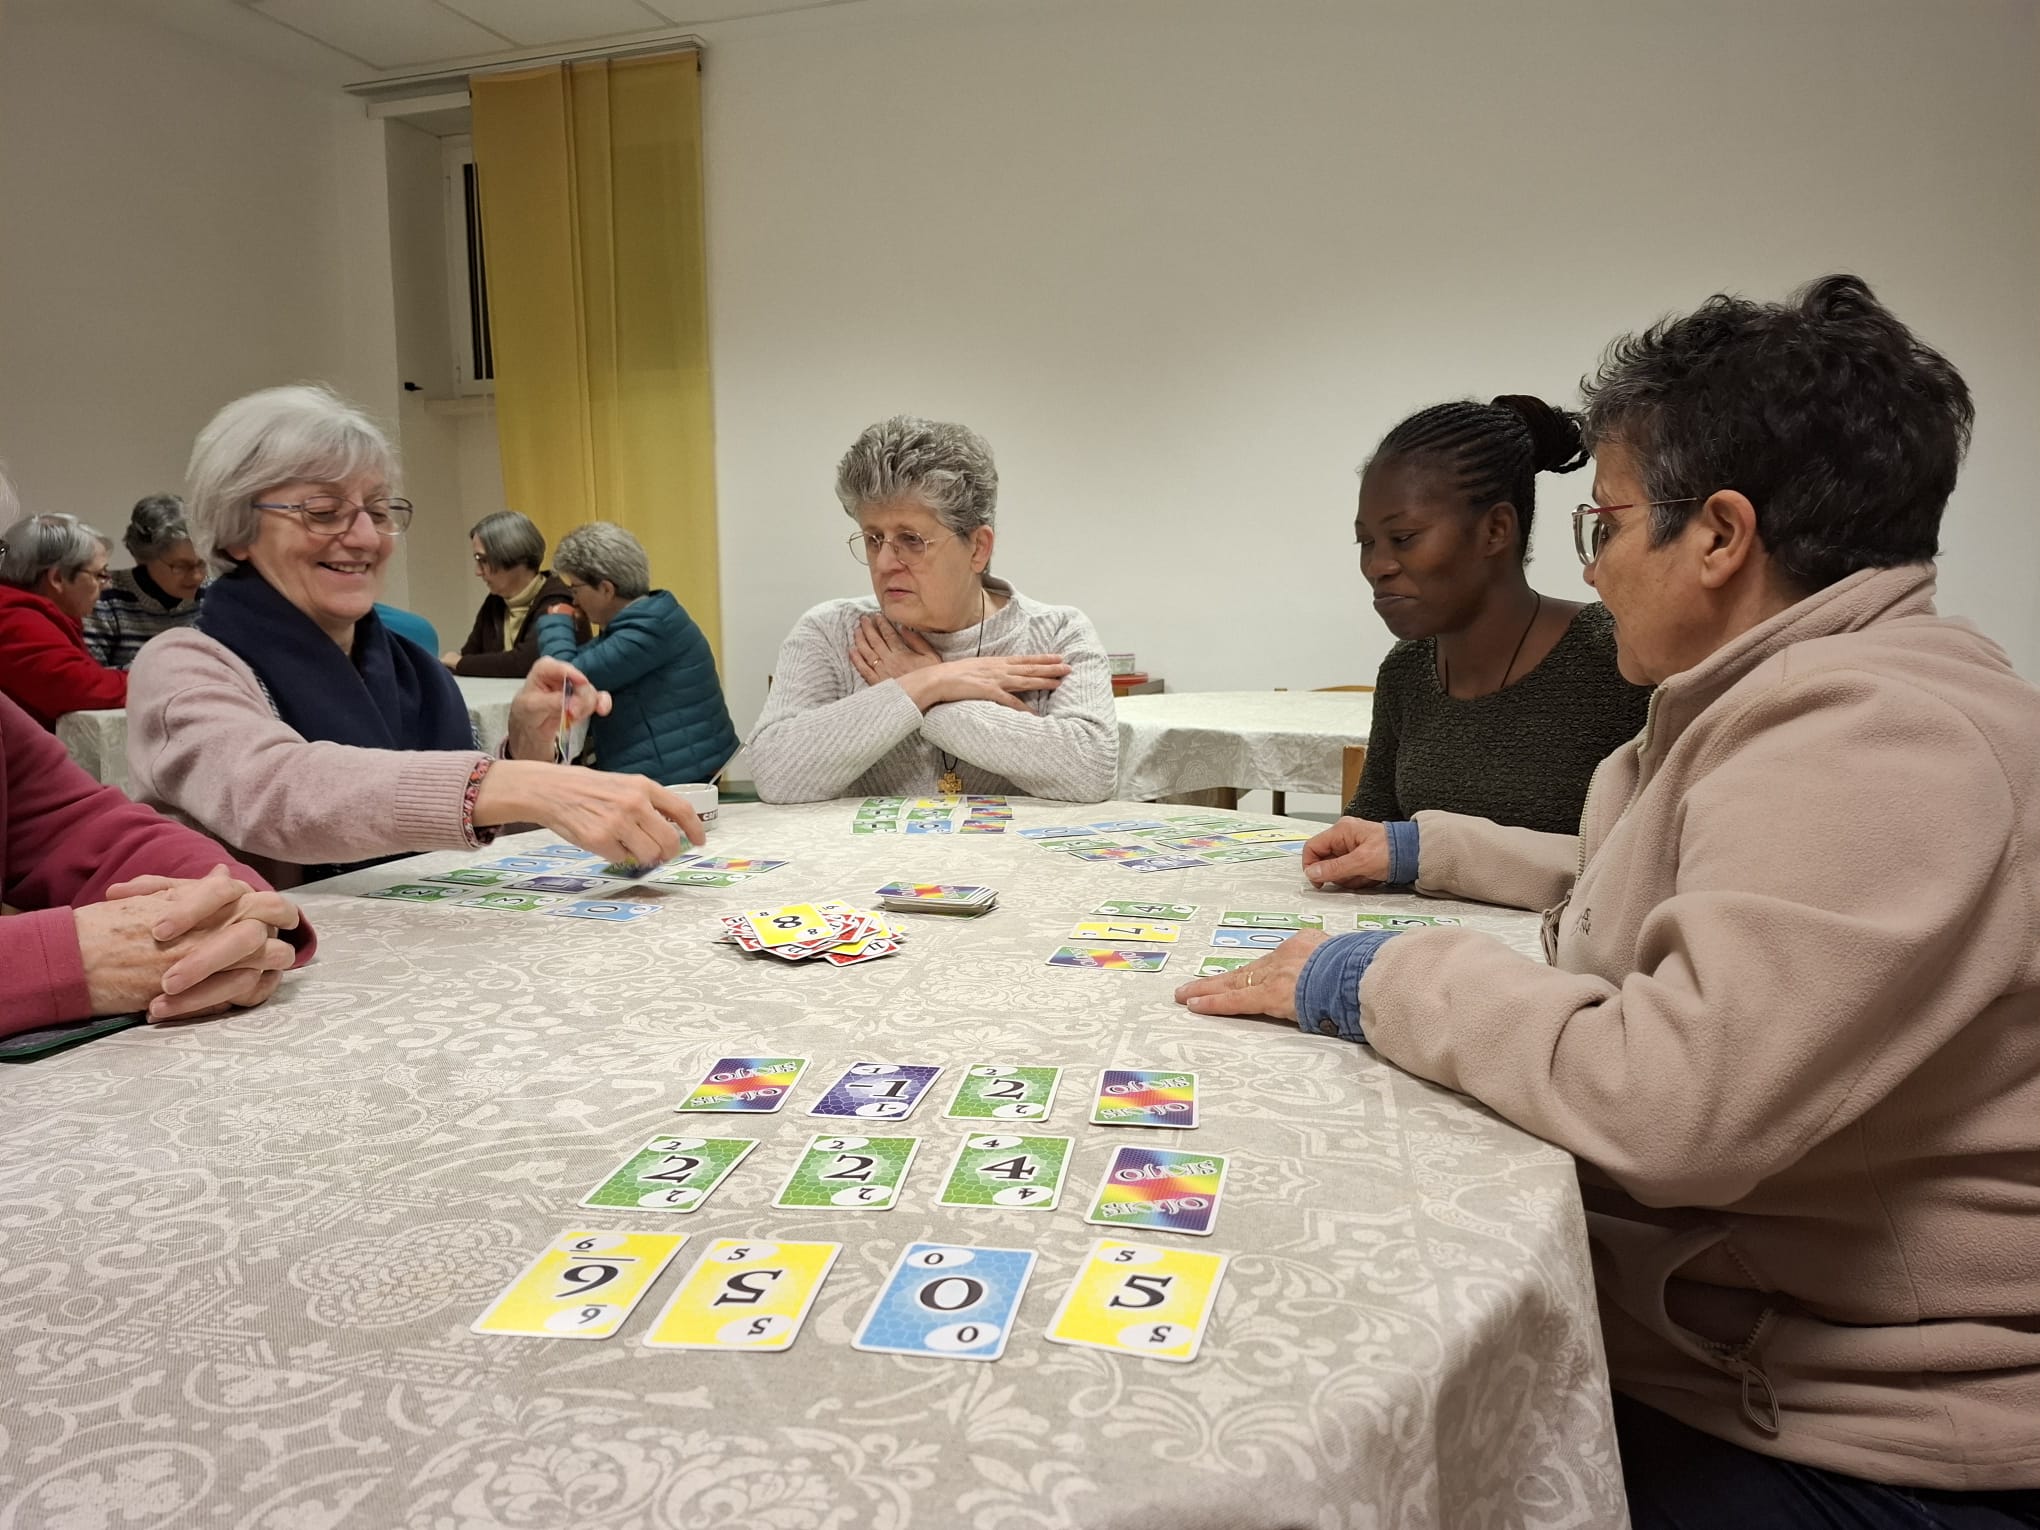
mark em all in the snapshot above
pixel 531 865
pixel 551 883
pixel 1123 929
pixel 1110 958
pixel 582 1287
pixel 1251 921
pixel 507 902
pixel 614 913
pixel 1140 1301
pixel 749 865
pixel 1218 966
pixel 1240 853
pixel 1164 863
pixel 626 871
pixel 1145 1097
pixel 1160 1190
pixel 1373 921
pixel 990 1092
pixel 1080 831
pixel 744 1294
pixel 877 1090
pixel 1251 939
pixel 671 1173
pixel 1107 852
pixel 935 892
pixel 468 876
pixel 416 892
pixel 1133 908
pixel 976 826
pixel 947 1300
pixel 1126 825
pixel 1268 837
pixel 687 876
pixel 1195 844
pixel 929 815
pixel 794 925
pixel 875 826
pixel 560 850
pixel 1017 1173
pixel 848 1174
pixel 931 826
pixel 750 1085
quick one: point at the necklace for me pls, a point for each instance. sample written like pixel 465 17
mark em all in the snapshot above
pixel 1445 666
pixel 952 783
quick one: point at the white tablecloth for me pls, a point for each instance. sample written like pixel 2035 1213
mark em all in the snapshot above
pixel 1190 741
pixel 238 1260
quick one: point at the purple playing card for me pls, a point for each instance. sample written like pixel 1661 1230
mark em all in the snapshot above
pixel 876 1090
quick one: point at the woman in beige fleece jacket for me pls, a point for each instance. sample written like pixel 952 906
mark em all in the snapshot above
pixel 1790 1021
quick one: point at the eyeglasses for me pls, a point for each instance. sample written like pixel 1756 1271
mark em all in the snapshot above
pixel 186 567
pixel 911 546
pixel 99 574
pixel 328 515
pixel 1590 535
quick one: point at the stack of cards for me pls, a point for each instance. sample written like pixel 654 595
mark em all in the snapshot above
pixel 932 815
pixel 840 935
pixel 937 898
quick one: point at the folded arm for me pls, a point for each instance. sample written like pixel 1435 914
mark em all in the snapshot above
pixel 819 731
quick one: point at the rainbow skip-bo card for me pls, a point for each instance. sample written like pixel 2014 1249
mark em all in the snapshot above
pixel 1110 958
pixel 1160 1189
pixel 1145 1097
pixel 759 1085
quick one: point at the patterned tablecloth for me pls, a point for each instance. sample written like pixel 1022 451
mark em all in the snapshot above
pixel 239 1259
pixel 1192 741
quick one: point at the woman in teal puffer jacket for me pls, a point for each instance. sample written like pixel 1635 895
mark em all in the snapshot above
pixel 667 719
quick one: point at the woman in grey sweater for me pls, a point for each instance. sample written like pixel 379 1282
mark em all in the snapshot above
pixel 945 678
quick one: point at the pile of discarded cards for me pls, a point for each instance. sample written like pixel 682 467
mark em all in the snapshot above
pixel 840 935
pixel 937 898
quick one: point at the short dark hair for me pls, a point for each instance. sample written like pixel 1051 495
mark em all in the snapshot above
pixel 1493 451
pixel 1842 428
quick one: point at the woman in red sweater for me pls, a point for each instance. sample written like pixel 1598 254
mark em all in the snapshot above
pixel 52 568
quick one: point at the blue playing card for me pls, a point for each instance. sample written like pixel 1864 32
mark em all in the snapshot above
pixel 1082 831
pixel 536 864
pixel 932 826
pixel 559 850
pixel 615 913
pixel 947 1301
pixel 876 1090
pixel 1252 940
pixel 1126 825
pixel 549 883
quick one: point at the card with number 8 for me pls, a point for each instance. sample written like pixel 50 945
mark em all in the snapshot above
pixel 947 1301
pixel 848 1174
pixel 744 1294
pixel 1016 1173
pixel 582 1287
pixel 993 1093
pixel 1136 1300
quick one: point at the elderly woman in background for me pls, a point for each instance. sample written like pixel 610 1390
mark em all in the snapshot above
pixel 160 592
pixel 52 568
pixel 290 724
pixel 945 678
pixel 1790 1017
pixel 509 553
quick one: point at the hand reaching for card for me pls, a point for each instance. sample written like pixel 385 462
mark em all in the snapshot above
pixel 1352 853
pixel 555 694
pixel 1264 988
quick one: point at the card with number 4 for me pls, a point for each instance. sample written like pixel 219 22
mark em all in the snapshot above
pixel 1016 1173
pixel 582 1287
pixel 744 1294
pixel 993 1093
pixel 877 1091
pixel 947 1301
pixel 671 1173
pixel 1136 1300
pixel 848 1174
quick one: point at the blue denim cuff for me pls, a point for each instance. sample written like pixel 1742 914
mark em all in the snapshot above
pixel 1328 990
pixel 1402 852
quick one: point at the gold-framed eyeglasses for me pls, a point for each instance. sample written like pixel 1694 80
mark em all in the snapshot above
pixel 910 546
pixel 1590 532
pixel 328 515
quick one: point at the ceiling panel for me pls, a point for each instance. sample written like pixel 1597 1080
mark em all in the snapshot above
pixel 533 23
pixel 386 34
pixel 682 13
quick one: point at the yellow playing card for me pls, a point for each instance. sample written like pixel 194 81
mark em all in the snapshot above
pixel 1123 929
pixel 582 1287
pixel 744 1294
pixel 1138 1300
pixel 796 924
pixel 1265 836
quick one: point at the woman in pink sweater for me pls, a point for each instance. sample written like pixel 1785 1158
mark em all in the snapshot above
pixel 292 725
pixel 1790 1020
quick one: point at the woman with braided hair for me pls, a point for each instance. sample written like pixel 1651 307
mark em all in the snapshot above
pixel 1499 701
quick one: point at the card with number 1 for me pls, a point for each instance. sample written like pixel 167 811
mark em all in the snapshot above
pixel 581 1287
pixel 885 1091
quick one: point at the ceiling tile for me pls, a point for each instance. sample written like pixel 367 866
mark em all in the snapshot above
pixel 533 23
pixel 389 34
pixel 682 13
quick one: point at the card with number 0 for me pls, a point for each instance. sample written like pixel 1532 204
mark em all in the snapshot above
pixel 848 1174
pixel 744 1294
pixel 948 1301
pixel 582 1287
pixel 876 1090
pixel 1013 1173
pixel 1136 1300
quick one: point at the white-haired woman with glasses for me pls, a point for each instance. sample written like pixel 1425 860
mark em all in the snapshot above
pixel 52 568
pixel 159 593
pixel 509 554
pixel 293 727
pixel 945 678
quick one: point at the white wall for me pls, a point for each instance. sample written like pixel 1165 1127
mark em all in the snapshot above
pixel 1183 261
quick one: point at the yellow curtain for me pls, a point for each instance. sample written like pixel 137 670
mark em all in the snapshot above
pixel 590 178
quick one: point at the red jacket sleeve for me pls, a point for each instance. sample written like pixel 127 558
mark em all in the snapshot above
pixel 48 670
pixel 65 839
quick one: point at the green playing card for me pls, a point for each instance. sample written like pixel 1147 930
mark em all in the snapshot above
pixel 875 826
pixel 1133 908
pixel 512 902
pixel 1221 856
pixel 848 1174
pixel 704 878
pixel 1233 919
pixel 475 876
pixel 992 1093
pixel 417 892
pixel 1021 1173
pixel 1371 921
pixel 1218 966
pixel 671 1173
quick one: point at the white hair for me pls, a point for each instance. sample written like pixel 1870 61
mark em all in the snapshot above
pixel 35 544
pixel 601 550
pixel 155 527
pixel 946 467
pixel 10 503
pixel 304 433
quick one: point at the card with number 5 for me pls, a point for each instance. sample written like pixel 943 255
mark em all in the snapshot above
pixel 886 1091
pixel 744 1294
pixel 947 1301
pixel 848 1174
pixel 582 1287
pixel 1136 1300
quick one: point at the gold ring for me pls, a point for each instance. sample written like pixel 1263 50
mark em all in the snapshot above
pixel 1250 980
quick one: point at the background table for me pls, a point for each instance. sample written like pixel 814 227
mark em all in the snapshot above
pixel 98 740
pixel 1190 741
pixel 238 1260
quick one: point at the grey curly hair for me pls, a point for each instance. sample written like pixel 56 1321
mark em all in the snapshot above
pixel 946 467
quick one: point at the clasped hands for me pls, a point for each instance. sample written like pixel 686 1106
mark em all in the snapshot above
pixel 884 652
pixel 179 948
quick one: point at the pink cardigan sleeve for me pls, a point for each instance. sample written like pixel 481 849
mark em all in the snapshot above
pixel 204 743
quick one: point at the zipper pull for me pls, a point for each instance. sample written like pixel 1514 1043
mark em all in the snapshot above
pixel 1759 1399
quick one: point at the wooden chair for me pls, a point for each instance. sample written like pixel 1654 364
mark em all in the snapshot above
pixel 1279 801
pixel 1349 773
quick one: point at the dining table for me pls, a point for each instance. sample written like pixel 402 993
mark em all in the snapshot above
pixel 1185 742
